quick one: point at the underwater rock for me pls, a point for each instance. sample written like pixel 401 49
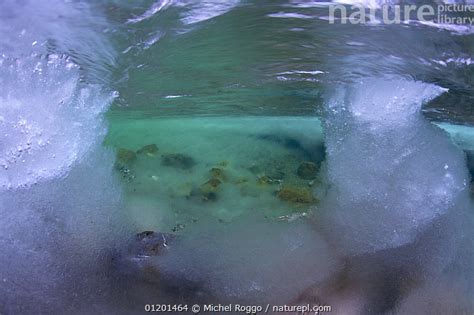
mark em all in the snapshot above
pixel 307 170
pixel 218 173
pixel 208 189
pixel 178 160
pixel 149 149
pixel 213 183
pixel 124 160
pixel 125 157
pixel 296 194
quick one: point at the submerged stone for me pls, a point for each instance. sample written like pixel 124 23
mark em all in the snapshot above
pixel 125 157
pixel 178 160
pixel 296 194
pixel 307 170
pixel 211 185
pixel 149 149
pixel 208 189
pixel 217 173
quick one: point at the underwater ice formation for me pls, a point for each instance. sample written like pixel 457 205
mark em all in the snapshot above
pixel 391 172
pixel 250 260
pixel 48 121
pixel 398 201
pixel 60 205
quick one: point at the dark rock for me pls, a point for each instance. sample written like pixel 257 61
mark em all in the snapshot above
pixel 213 183
pixel 208 189
pixel 296 194
pixel 125 157
pixel 217 173
pixel 124 161
pixel 178 160
pixel 307 170
pixel 149 149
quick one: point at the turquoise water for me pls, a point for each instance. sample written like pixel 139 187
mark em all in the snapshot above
pixel 256 156
pixel 244 152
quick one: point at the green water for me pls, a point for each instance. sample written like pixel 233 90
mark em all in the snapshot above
pixel 255 60
pixel 255 158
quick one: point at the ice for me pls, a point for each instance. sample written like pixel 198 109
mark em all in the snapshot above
pixel 49 120
pixel 57 240
pixel 391 173
pixel 440 297
pixel 250 260
pixel 60 203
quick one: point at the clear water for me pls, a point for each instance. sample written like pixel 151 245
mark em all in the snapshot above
pixel 193 118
